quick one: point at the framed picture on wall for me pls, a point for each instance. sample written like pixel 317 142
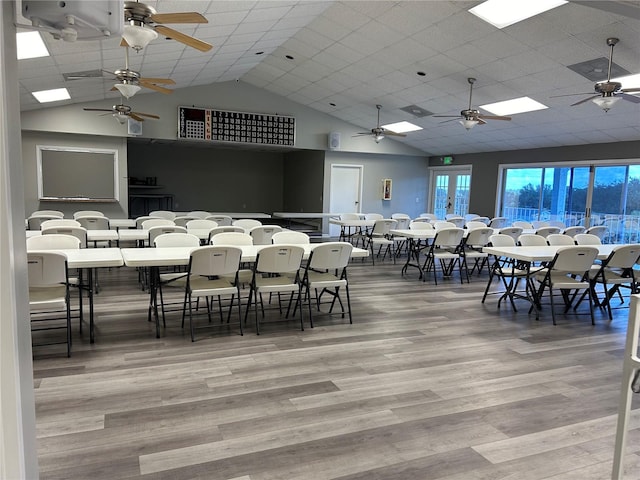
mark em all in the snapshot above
pixel 386 189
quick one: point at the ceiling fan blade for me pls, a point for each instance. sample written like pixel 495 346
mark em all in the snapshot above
pixel 630 98
pixel 447 121
pixel 123 43
pixel 584 100
pixel 182 38
pixel 161 81
pixel 493 117
pixel 136 117
pixel 98 110
pixel 157 88
pixel 571 94
pixel 149 115
pixel 627 90
pixel 481 121
pixel 180 17
pixel 393 134
pixel 446 116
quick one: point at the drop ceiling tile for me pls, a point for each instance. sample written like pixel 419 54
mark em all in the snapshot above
pixel 470 55
pixel 221 6
pixel 328 29
pixel 342 14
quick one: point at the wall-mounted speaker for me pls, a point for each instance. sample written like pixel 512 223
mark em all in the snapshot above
pixel 134 127
pixel 334 141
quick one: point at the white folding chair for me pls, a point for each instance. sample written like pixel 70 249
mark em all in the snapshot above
pixel 49 294
pixel 213 272
pixel 262 234
pixel 272 265
pixel 446 251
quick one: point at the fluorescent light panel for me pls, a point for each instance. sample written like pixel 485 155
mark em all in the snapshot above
pixel 30 45
pixel 401 127
pixel 502 13
pixel 629 81
pixel 511 107
pixel 44 96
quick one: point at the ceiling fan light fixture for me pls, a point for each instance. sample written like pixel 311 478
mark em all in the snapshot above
pixel 121 118
pixel 605 103
pixel 138 36
pixel 127 89
pixel 378 137
pixel 468 123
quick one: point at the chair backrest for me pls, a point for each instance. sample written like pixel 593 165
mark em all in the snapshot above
pixel 141 219
pixel 513 232
pixel 157 230
pixel 199 214
pixel 176 239
pixel 577 259
pixel 502 240
pixel 330 255
pixel 221 220
pixel 201 224
pixel 349 216
pixel 46 269
pixel 398 216
pixel 447 216
pixel 522 224
pixel 87 213
pixel 59 222
pixel 623 256
pixel 246 223
pixel 573 231
pixel 373 216
pixel 540 223
pixel 448 237
pixel 587 239
pixel 431 216
pixel 279 258
pixel 532 240
pixel 223 229
pixel 556 223
pixel 418 225
pixel 215 260
pixel 163 214
pixel 599 231
pixel 440 224
pixel 474 224
pixel 457 221
pixel 479 237
pixel 262 234
pixel 546 231
pixel 290 237
pixel 53 241
pixel 157 222
pixel 79 232
pixel 182 220
pixel 231 238
pixel 498 222
pixel 423 220
pixel 94 222
pixel 403 220
pixel 560 239
pixel 383 226
pixel 34 222
pixel 471 216
pixel 485 220
pixel 48 213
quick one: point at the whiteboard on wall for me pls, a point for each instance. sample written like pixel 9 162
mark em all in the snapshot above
pixel 77 174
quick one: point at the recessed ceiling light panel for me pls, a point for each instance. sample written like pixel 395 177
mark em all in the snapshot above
pixel 57 94
pixel 502 13
pixel 511 107
pixel 401 127
pixel 30 45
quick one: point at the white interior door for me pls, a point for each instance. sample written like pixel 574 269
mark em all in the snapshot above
pixel 345 192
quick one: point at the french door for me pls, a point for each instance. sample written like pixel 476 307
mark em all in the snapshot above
pixel 450 191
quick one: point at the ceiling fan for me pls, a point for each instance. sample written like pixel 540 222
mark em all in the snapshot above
pixel 142 24
pixel 122 113
pixel 608 93
pixel 129 81
pixel 378 133
pixel 472 117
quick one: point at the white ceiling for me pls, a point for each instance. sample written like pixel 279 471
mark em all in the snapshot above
pixel 356 54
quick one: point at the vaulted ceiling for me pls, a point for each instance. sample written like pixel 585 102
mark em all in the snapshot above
pixel 343 58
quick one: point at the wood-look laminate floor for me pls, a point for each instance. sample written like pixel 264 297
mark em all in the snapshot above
pixel 428 383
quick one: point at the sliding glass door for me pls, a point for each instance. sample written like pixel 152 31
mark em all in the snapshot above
pixel 586 195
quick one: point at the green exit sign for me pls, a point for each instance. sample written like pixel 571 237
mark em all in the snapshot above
pixel 448 160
